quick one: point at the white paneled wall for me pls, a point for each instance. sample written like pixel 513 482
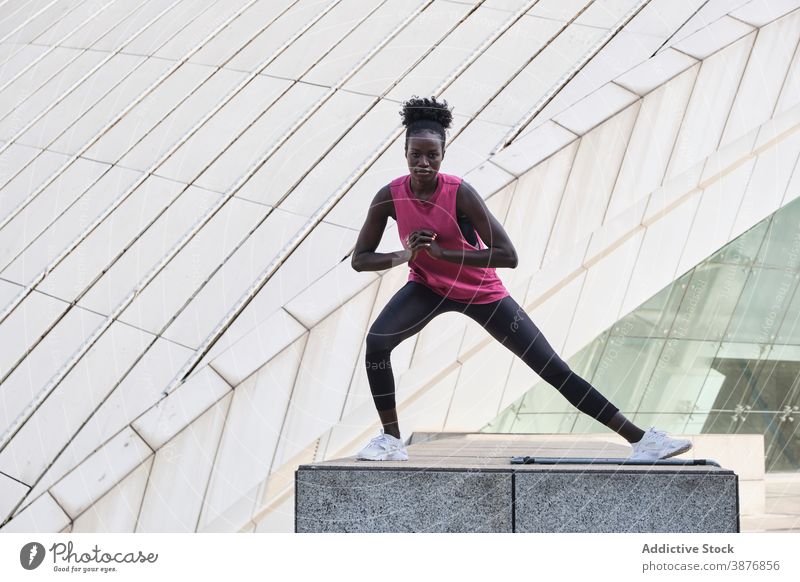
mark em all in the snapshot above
pixel 638 169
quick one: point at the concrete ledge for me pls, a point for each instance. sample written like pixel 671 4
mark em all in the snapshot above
pixel 464 482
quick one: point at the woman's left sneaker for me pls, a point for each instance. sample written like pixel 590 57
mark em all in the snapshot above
pixel 655 445
pixel 383 447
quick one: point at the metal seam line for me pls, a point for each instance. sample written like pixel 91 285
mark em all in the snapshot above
pixel 321 213
pixel 87 344
pixel 677 30
pixel 50 49
pixel 146 174
pixel 566 78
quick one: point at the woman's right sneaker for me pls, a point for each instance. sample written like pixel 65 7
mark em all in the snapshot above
pixel 383 447
pixel 655 445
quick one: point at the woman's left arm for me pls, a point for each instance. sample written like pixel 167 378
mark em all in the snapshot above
pixel 500 251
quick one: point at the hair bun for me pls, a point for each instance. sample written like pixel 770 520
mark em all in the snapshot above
pixel 426 109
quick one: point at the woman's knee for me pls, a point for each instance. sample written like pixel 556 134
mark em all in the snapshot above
pixel 379 342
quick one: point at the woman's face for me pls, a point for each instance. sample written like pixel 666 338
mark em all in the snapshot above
pixel 424 155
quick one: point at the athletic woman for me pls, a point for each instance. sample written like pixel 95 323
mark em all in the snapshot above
pixel 453 245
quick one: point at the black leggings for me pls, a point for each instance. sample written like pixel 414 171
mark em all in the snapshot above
pixel 414 305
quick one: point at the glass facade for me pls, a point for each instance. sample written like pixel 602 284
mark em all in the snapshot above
pixel 716 351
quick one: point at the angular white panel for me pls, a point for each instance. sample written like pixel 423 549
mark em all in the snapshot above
pixel 655 72
pixel 651 143
pixel 146 252
pixel 342 57
pixel 537 198
pixel 446 55
pixel 615 229
pixel 488 179
pixel 602 294
pixel 47 206
pixel 768 183
pixel 325 246
pixel 194 264
pixel 405 49
pixel 116 233
pixel 594 170
pixel 117 510
pixel 180 475
pixel 476 399
pixel 761 85
pixel 781 124
pixel 27 108
pixel 760 12
pixel 42 516
pixel 193 33
pixel 294 158
pixel 178 16
pixel 254 425
pixel 258 347
pixel 17 93
pixel 28 322
pixel 70 224
pixel 100 472
pixel 69 405
pixel 139 390
pixel 280 519
pixel 60 23
pixel 672 190
pixel 660 252
pixel 239 33
pixel 473 145
pixel 14 58
pixel 331 290
pixel 790 94
pixel 715 215
pixel 532 148
pixel 427 410
pixel 595 108
pixel 321 38
pixel 86 126
pixel 13 160
pixel 25 177
pixel 129 130
pixel 476 86
pixel 83 33
pixel 710 39
pixel 11 492
pixel 728 157
pixel 85 97
pixel 183 405
pixel 325 372
pixel 356 145
pixel 175 125
pixel 108 35
pixel 267 42
pixel 194 156
pixel 713 93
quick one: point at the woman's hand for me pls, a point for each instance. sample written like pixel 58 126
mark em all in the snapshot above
pixel 419 240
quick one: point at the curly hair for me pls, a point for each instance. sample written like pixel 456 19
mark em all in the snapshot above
pixel 426 114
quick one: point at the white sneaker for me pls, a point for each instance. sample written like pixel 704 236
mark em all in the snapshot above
pixel 383 447
pixel 655 444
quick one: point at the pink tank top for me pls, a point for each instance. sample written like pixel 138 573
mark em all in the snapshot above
pixel 458 282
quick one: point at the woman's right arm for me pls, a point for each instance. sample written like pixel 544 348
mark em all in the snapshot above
pixel 364 256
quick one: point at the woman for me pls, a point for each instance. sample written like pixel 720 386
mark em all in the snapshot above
pixel 444 224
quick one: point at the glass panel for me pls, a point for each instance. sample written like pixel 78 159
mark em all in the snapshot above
pixel 762 305
pixel 781 246
pixel 625 369
pixel 782 443
pixel 709 301
pixel 789 332
pixel 679 376
pixel 503 423
pixel 744 249
pixel 655 316
pixel 672 423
